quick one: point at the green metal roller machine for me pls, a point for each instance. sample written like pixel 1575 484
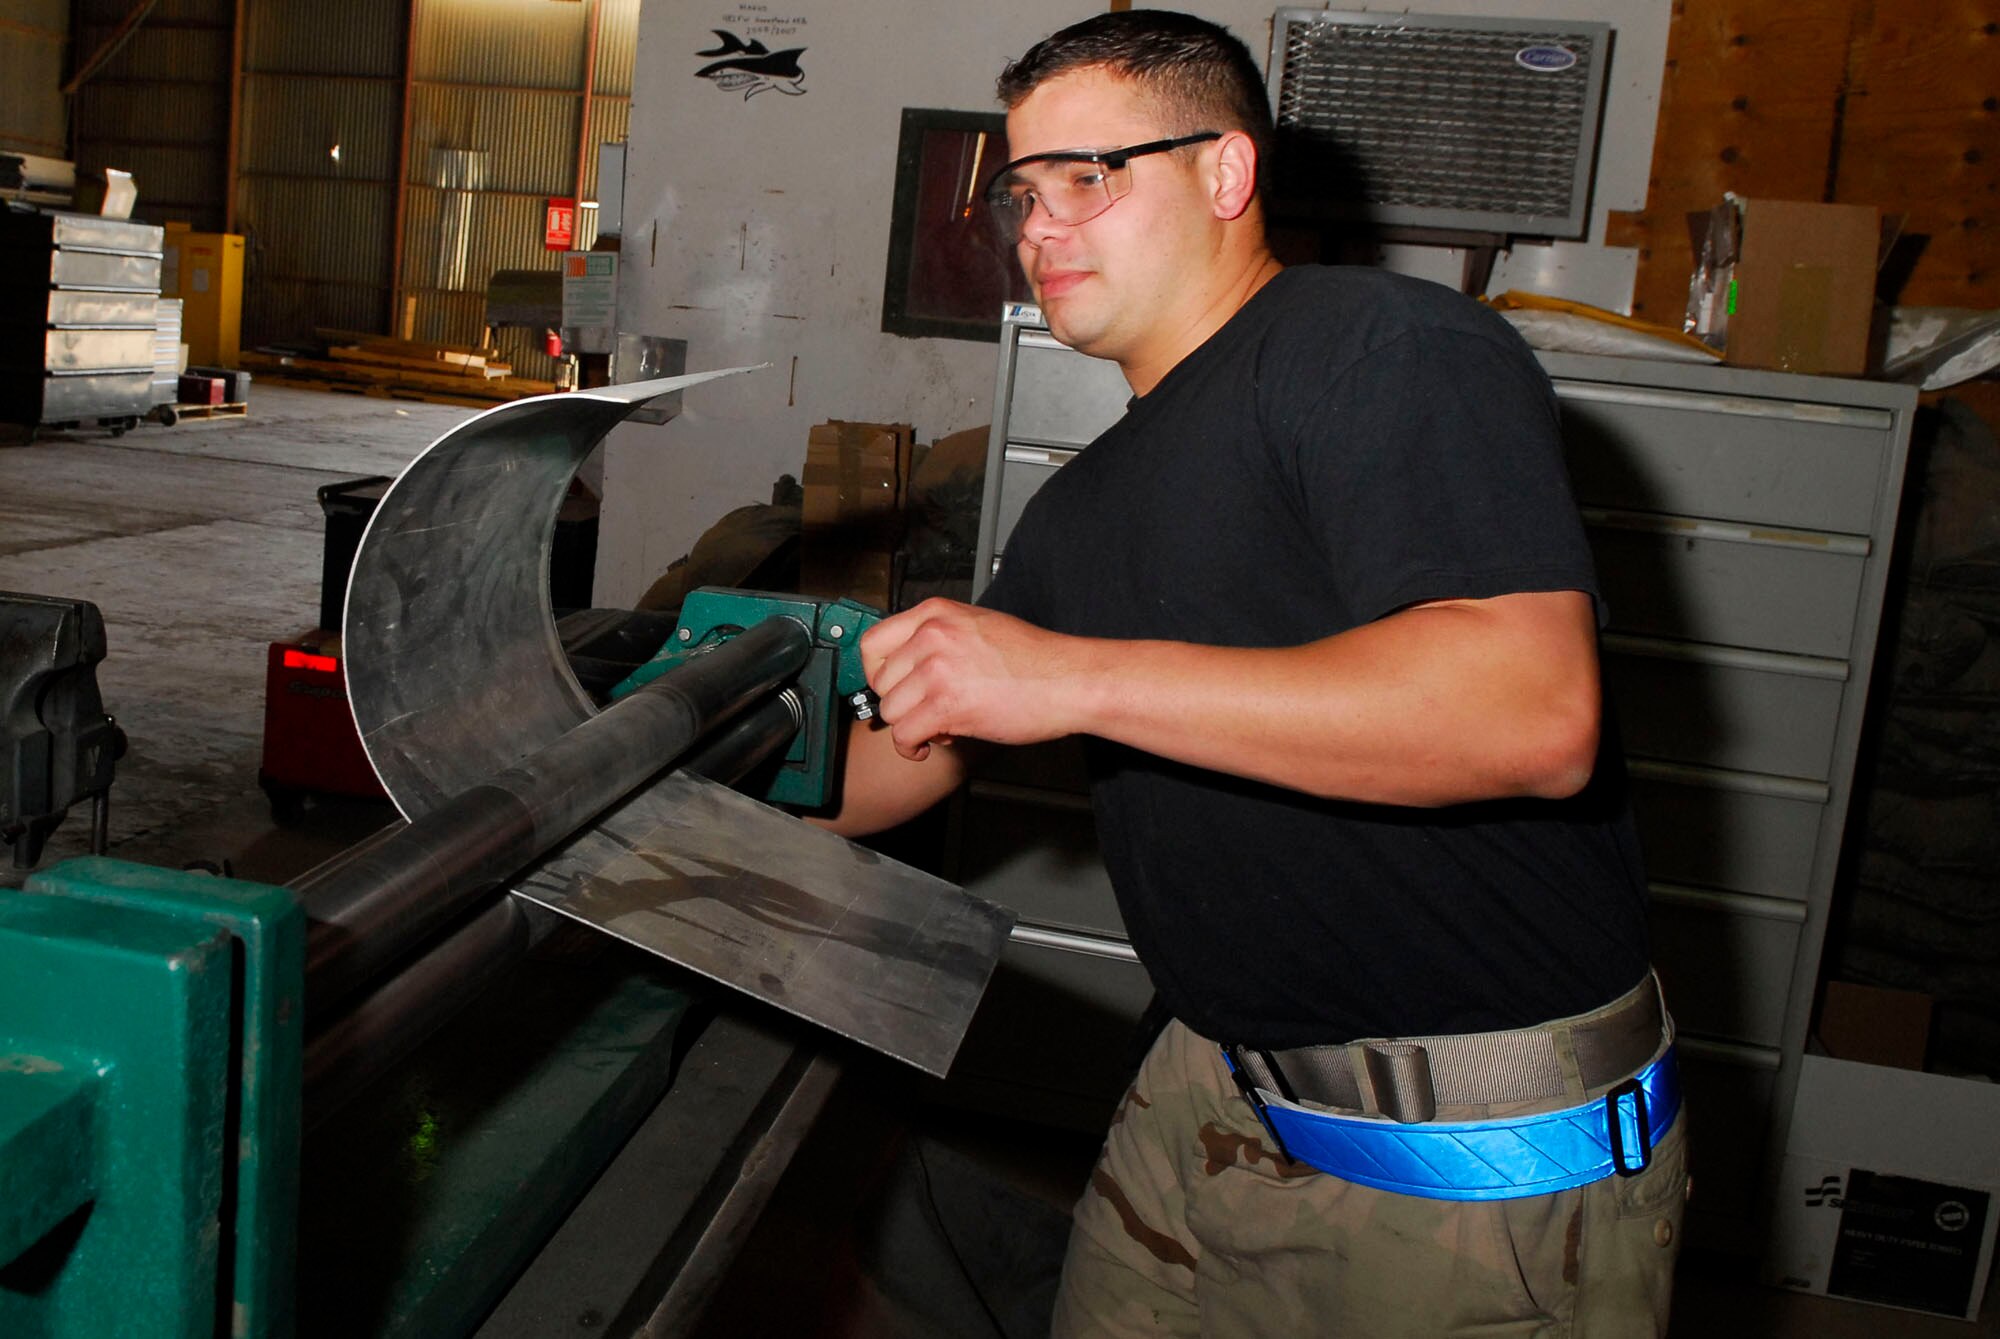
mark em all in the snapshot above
pixel 420 1092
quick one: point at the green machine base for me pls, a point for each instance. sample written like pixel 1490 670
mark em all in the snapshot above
pixel 150 1145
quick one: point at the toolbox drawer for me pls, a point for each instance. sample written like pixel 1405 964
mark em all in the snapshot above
pixel 1028 468
pixel 91 269
pixel 96 395
pixel 1732 716
pixel 1726 963
pixel 1791 595
pixel 1062 397
pixel 1815 467
pixel 1056 1036
pixel 1719 836
pixel 105 311
pixel 1035 853
pixel 98 350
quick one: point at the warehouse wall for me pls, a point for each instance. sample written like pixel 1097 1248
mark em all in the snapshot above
pixel 159 107
pixel 757 228
pixel 34 118
pixel 495 94
pixel 318 225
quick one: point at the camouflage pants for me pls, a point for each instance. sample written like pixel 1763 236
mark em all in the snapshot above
pixel 1192 1225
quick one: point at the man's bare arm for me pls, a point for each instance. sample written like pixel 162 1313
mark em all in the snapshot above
pixel 880 788
pixel 1441 703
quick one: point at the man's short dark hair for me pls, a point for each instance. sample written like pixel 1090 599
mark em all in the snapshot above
pixel 1198 74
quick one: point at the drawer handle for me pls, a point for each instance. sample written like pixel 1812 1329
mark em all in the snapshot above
pixel 1729 904
pixel 1846 416
pixel 1692 527
pixel 1095 946
pixel 1718 778
pixel 1726 657
pixel 1729 1053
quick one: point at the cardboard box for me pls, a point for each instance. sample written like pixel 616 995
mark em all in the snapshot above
pixel 1786 285
pixel 1875 1026
pixel 1891 1188
pixel 856 480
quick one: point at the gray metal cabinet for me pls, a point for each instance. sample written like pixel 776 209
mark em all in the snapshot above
pixel 77 320
pixel 1742 524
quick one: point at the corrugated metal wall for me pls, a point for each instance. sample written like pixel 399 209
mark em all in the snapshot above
pixel 34 116
pixel 159 108
pixel 320 155
pixel 505 78
pixel 317 165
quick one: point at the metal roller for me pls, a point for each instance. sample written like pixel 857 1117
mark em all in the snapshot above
pixel 456 676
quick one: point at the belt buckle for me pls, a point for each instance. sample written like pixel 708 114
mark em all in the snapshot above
pixel 1256 1099
pixel 1614 1118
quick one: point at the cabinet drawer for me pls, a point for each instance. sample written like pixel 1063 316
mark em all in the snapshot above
pixel 1061 395
pixel 98 350
pixel 1716 837
pixel 1782 595
pixel 1672 704
pixel 1036 854
pixel 1027 469
pixel 96 395
pixel 91 269
pixel 1727 970
pixel 1055 1027
pixel 133 311
pixel 1778 462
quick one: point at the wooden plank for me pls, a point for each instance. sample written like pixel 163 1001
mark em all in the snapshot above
pixel 375 356
pixel 288 377
pixel 1921 138
pixel 448 352
pixel 1748 105
pixel 492 390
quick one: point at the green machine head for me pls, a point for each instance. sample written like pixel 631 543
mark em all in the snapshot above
pixel 833 676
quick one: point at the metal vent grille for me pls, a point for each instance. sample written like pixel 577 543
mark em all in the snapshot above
pixel 1448 122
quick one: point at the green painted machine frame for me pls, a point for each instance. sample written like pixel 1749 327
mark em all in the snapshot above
pixel 154 1183
pixel 147 1015
pixel 833 675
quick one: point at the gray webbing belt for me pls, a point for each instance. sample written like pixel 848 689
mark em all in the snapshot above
pixel 1408 1078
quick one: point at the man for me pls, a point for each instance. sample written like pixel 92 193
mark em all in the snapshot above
pixel 1321 607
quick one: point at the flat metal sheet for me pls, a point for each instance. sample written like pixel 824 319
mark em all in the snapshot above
pixel 697 873
pixel 455 672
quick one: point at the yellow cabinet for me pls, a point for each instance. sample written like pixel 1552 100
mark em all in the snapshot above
pixel 205 270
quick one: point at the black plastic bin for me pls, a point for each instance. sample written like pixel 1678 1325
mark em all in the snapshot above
pixel 349 503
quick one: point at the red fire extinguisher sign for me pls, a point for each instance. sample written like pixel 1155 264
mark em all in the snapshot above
pixel 559 227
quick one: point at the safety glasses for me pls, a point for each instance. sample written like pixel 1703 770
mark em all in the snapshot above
pixel 1074 186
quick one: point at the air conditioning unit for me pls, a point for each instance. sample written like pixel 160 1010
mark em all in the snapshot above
pixel 1457 123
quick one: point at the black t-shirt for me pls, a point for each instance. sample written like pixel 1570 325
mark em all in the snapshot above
pixel 1350 443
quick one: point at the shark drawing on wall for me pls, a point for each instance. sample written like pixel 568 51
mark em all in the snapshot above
pixel 752 66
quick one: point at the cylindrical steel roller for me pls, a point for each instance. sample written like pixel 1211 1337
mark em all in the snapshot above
pixel 391 1020
pixel 373 910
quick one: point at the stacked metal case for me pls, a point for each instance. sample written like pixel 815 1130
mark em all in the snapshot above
pixel 77 322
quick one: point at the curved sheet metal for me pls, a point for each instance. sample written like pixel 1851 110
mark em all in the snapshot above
pixel 455 673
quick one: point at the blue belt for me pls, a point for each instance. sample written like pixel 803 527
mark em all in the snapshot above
pixel 1505 1158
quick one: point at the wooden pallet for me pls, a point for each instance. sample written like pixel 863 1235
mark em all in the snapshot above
pixel 304 382
pixel 444 387
pixel 235 410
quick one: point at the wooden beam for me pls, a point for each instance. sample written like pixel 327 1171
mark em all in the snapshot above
pixel 235 148
pixel 1920 137
pixel 1748 105
pixel 398 244
pixel 583 145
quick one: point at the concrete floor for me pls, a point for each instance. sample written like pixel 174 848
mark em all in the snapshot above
pixel 201 543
